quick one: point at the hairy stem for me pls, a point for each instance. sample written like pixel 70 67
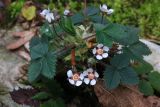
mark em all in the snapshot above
pixel 85 7
pixel 102 18
pixel 55 30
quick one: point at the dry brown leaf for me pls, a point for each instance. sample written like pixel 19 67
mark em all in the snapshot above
pixel 120 97
pixel 25 36
pixel 25 55
pixel 155 101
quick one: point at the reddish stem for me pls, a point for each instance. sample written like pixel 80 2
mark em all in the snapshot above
pixel 85 7
pixel 73 57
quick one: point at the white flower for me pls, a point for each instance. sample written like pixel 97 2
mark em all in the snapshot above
pixel 120 49
pixel 105 9
pixel 90 76
pixel 100 51
pixel 48 15
pixel 66 12
pixel 75 78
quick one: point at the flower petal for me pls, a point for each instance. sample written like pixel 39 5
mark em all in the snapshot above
pixel 71 81
pixel 105 48
pixel 44 12
pixel 100 45
pixel 78 83
pixel 86 80
pixel 104 6
pixel 66 12
pixel 48 18
pixel 69 73
pixel 96 74
pixel 110 11
pixel 105 55
pixel 94 51
pixel 51 16
pixel 99 57
pixel 81 76
pixel 93 82
pixel 85 73
pixel 89 70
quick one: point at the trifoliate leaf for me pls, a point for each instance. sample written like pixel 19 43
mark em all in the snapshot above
pixel 34 70
pixel 38 47
pixel 122 73
pixel 98 19
pixel 128 76
pixel 142 67
pixel 139 49
pixel 91 11
pixel 146 88
pixel 29 12
pixel 77 18
pixel 122 34
pixel 49 65
pixel 136 51
pixel 47 30
pixel 120 61
pixel 34 41
pixel 111 77
pixel 154 79
pixel 101 36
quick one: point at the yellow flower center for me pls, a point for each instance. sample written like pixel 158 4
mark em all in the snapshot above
pixel 91 75
pixel 100 51
pixel 75 76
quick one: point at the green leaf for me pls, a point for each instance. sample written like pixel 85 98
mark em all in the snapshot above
pixel 146 88
pixel 111 77
pixel 67 25
pixel 77 18
pixel 97 19
pixel 91 10
pixel 53 103
pixel 122 34
pixel 136 51
pixel 34 70
pixel 101 36
pixel 29 12
pixel 128 76
pixel 139 48
pixel 34 41
pixel 47 30
pixel 41 96
pixel 49 65
pixel 154 79
pixel 38 48
pixel 119 72
pixel 142 67
pixel 120 61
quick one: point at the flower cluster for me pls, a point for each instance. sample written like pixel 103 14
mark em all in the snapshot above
pixel 48 15
pixel 88 77
pixel 100 51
